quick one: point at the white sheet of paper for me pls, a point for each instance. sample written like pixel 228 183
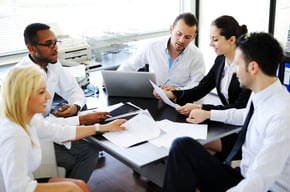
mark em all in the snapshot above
pixel 172 130
pixel 104 109
pixel 163 96
pixel 140 128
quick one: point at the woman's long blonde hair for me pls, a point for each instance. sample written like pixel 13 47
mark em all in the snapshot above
pixel 20 83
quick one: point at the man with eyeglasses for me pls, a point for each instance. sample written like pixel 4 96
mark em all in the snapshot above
pixel 80 160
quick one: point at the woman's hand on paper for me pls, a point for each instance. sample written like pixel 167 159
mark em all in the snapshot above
pixel 198 116
pixel 115 125
pixel 185 109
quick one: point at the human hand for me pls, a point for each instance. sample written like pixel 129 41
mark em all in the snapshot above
pixel 168 93
pixel 115 125
pixel 185 109
pixel 198 116
pixel 66 111
pixel 156 95
pixel 167 87
pixel 92 118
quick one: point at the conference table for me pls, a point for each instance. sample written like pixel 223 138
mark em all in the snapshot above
pixel 145 158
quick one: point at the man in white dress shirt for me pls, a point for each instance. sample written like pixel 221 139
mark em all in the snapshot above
pixel 265 164
pixel 177 63
pixel 79 161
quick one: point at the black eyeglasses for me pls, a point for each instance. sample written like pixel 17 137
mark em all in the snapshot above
pixel 49 44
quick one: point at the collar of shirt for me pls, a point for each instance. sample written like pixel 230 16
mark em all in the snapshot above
pixel 261 96
pixel 226 78
pixel 172 63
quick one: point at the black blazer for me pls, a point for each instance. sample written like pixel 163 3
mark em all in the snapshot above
pixel 238 97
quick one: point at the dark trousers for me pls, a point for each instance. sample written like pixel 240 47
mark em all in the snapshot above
pixel 79 161
pixel 190 166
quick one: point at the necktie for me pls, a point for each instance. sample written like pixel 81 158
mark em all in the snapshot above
pixel 241 136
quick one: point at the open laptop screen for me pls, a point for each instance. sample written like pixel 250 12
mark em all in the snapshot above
pixel 128 83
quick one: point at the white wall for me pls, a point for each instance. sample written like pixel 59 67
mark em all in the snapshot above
pixel 282 22
pixel 253 13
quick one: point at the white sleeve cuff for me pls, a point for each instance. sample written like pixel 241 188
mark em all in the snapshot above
pixel 217 115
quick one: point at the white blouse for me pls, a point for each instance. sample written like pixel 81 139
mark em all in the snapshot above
pixel 21 154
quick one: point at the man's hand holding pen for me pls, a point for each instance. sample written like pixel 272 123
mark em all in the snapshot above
pixel 66 110
pixel 93 117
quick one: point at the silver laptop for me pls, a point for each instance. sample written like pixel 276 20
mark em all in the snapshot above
pixel 128 83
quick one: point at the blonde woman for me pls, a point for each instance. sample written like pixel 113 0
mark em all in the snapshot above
pixel 24 98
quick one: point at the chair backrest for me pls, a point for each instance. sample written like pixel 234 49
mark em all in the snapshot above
pixel 48 166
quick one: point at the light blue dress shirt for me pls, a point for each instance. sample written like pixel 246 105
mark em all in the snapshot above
pixel 184 72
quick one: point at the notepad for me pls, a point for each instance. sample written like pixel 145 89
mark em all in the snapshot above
pixel 125 110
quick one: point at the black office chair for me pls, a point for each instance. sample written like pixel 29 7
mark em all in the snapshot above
pixel 144 69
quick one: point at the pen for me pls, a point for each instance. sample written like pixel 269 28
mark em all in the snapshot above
pixel 93 109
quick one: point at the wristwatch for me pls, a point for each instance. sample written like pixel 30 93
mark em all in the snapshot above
pixel 97 127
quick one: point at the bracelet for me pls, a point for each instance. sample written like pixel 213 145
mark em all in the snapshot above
pixel 78 107
pixel 97 127
pixel 177 88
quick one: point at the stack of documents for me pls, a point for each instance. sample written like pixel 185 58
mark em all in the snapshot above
pixel 140 128
pixel 143 127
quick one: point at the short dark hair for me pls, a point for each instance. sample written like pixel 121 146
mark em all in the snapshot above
pixel 30 32
pixel 229 26
pixel 188 18
pixel 264 49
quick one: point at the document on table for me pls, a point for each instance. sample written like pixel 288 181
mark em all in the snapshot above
pixel 163 96
pixel 116 111
pixel 172 130
pixel 140 128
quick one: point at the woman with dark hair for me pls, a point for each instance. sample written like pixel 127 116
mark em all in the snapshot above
pixel 224 32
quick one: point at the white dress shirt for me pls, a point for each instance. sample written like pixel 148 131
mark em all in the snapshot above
pixel 63 83
pixel 185 72
pixel 228 72
pixel 265 160
pixel 20 155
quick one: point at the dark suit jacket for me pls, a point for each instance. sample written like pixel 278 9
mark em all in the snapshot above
pixel 238 97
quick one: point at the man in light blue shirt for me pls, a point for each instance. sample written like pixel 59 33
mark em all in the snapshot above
pixel 265 164
pixel 177 62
